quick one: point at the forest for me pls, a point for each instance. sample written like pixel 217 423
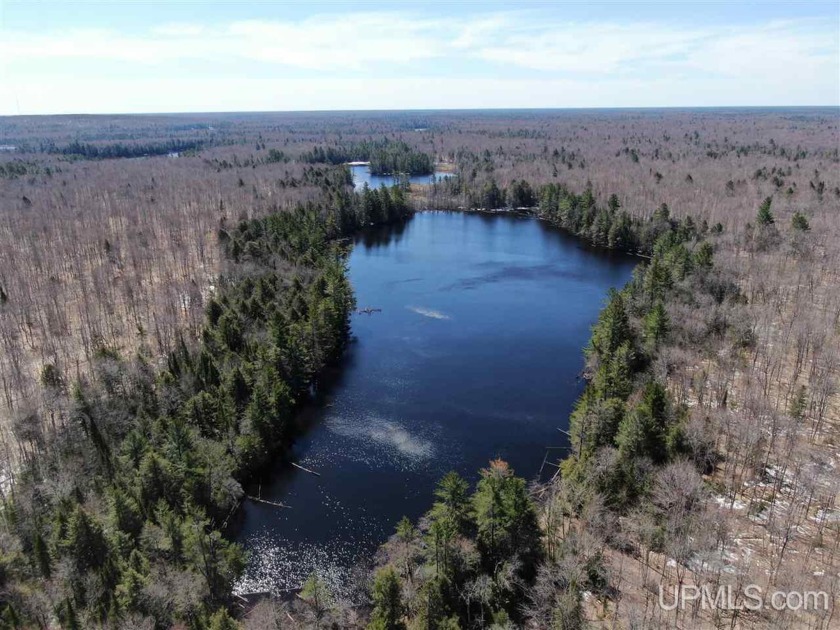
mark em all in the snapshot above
pixel 164 452
pixel 118 150
pixel 386 157
pixel 156 354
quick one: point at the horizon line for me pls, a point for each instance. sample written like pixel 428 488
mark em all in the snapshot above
pixel 426 110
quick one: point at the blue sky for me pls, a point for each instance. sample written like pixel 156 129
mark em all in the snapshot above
pixel 158 56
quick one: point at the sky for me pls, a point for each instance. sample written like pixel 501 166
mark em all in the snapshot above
pixel 139 56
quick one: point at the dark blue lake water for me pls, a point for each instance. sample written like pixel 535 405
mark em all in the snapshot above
pixel 362 176
pixel 476 354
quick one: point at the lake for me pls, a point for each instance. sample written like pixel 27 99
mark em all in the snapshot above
pixel 361 176
pixel 476 354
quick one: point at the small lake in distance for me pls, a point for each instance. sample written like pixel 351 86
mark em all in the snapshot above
pixel 361 176
pixel 476 354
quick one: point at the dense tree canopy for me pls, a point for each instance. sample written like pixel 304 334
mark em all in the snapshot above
pixel 386 157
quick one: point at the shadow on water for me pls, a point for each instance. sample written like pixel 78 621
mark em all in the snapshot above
pixel 381 235
pixel 278 477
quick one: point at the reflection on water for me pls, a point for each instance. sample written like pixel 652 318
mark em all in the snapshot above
pixel 474 355
pixel 382 235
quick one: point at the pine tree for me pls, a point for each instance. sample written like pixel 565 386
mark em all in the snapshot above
pixel 406 531
pixel 505 518
pixel 452 503
pixel 221 620
pixel 799 222
pixel 621 234
pixel 153 480
pixel 704 256
pixel 799 404
pixel 642 433
pixel 42 556
pixel 388 607
pixel 125 513
pixel 764 216
pixel 657 280
pixel 612 329
pixel 614 378
pixel 662 214
pixel 656 324
pixel 85 542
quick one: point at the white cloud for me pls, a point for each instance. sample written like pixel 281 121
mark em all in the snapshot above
pixel 600 48
pixel 326 43
pixel 331 43
pixel 777 48
pixel 534 60
pixel 608 48
pixel 179 29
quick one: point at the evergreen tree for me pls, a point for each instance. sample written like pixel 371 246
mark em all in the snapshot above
pixel 441 537
pixel 520 195
pixel 662 214
pixel 125 513
pixel 406 532
pixel 612 330
pixel 491 196
pixel 434 605
pixel 799 222
pixel 387 602
pixel 221 620
pixel 764 216
pixel 129 592
pixel 615 377
pixel 85 542
pixel 153 480
pixel 656 324
pixel 642 433
pixel 704 256
pixel 453 502
pixel 218 560
pixel 505 519
pixel 657 280
pixel 799 404
pixel 621 235
pixel 42 556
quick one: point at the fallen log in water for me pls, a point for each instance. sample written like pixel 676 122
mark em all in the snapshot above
pixel 306 469
pixel 275 504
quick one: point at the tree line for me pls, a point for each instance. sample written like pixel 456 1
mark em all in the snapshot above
pixel 13 169
pixel 89 151
pixel 606 225
pixel 386 157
